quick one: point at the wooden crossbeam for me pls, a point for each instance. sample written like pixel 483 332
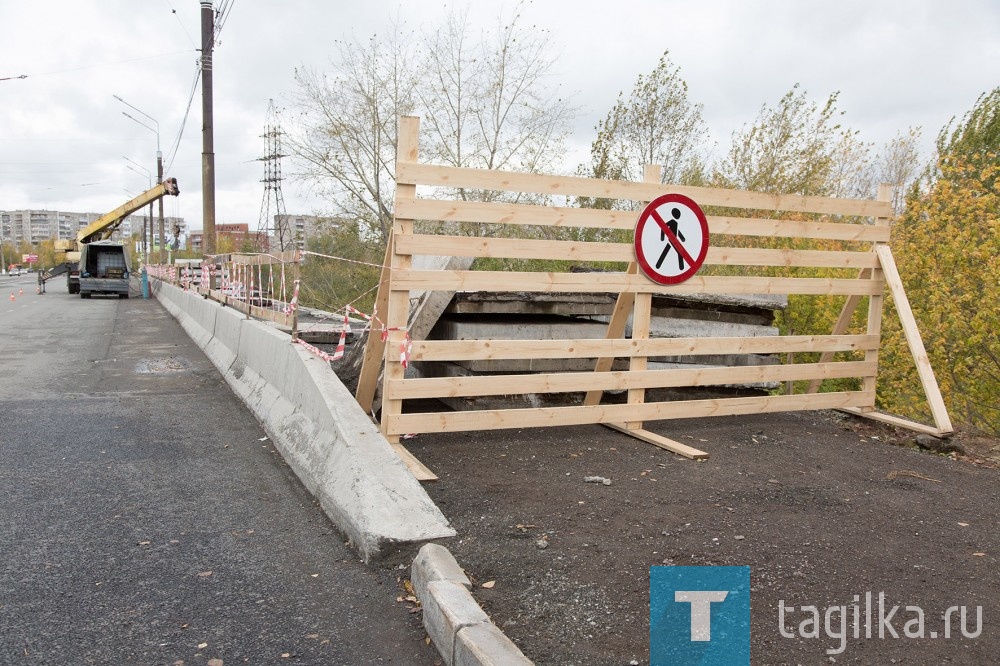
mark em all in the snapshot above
pixel 513 181
pixel 590 218
pixel 407 279
pixel 497 419
pixel 485 350
pixel 527 248
pixel 636 378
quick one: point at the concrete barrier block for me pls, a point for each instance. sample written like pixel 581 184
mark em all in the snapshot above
pixel 200 320
pixel 366 488
pixel 269 352
pixel 435 562
pixel 329 442
pixel 448 608
pixel 222 348
pixel 485 645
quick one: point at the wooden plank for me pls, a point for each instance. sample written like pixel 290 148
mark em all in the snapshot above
pixel 419 471
pixel 484 350
pixel 523 248
pixel 531 215
pixel 637 378
pixel 912 334
pixel 776 228
pixel 371 363
pixel 661 442
pixel 510 181
pixel 896 421
pixel 650 411
pixel 404 279
pixel 286 257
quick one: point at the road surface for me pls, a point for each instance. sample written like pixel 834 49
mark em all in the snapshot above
pixel 145 518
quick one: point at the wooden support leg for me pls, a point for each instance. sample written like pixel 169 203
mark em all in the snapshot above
pixel 371 364
pixel 931 389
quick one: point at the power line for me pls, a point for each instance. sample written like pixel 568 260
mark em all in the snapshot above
pixel 95 65
pixel 180 133
pixel 221 15
pixel 183 27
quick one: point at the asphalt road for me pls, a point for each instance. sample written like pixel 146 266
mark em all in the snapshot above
pixel 144 517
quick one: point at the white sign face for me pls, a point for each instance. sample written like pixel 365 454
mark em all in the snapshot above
pixel 671 239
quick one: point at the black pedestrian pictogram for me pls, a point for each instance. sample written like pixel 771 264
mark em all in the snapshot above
pixel 675 215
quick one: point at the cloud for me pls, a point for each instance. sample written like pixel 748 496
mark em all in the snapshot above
pixel 896 64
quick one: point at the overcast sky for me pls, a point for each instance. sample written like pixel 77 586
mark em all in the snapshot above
pixel 64 139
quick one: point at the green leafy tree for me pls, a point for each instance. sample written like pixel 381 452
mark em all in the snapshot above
pixel 788 149
pixel 348 273
pixel 656 124
pixel 947 245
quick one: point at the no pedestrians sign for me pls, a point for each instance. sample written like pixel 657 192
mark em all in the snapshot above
pixel 671 239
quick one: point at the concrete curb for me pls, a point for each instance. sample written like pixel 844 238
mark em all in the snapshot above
pixel 329 442
pixel 458 627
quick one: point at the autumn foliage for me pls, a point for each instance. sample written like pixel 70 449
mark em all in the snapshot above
pixel 947 245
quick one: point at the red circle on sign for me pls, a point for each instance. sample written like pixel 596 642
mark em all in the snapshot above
pixel 661 215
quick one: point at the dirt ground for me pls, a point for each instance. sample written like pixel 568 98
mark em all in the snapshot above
pixel 822 506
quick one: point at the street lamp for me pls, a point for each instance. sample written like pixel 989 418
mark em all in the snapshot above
pixel 159 164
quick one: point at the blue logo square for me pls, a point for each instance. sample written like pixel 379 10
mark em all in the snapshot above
pixel 699 616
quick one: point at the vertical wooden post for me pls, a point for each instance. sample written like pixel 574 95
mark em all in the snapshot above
pixel 642 312
pixel 641 316
pixel 869 383
pixel 619 318
pixel 399 299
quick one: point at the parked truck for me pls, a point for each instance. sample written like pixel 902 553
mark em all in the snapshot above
pixel 105 269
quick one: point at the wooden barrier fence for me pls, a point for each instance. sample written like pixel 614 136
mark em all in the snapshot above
pixel 862 225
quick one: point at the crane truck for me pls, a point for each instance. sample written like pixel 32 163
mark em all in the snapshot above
pixel 92 263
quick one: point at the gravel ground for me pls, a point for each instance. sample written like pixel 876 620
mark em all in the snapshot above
pixel 822 507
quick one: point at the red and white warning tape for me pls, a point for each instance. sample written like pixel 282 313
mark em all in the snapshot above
pixel 405 349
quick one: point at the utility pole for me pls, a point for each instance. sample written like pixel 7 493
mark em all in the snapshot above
pixel 159 180
pixel 208 134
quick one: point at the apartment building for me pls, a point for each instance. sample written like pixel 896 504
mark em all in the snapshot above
pixel 296 229
pixel 30 227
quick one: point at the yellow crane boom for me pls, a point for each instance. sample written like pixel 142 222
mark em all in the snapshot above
pixel 104 226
